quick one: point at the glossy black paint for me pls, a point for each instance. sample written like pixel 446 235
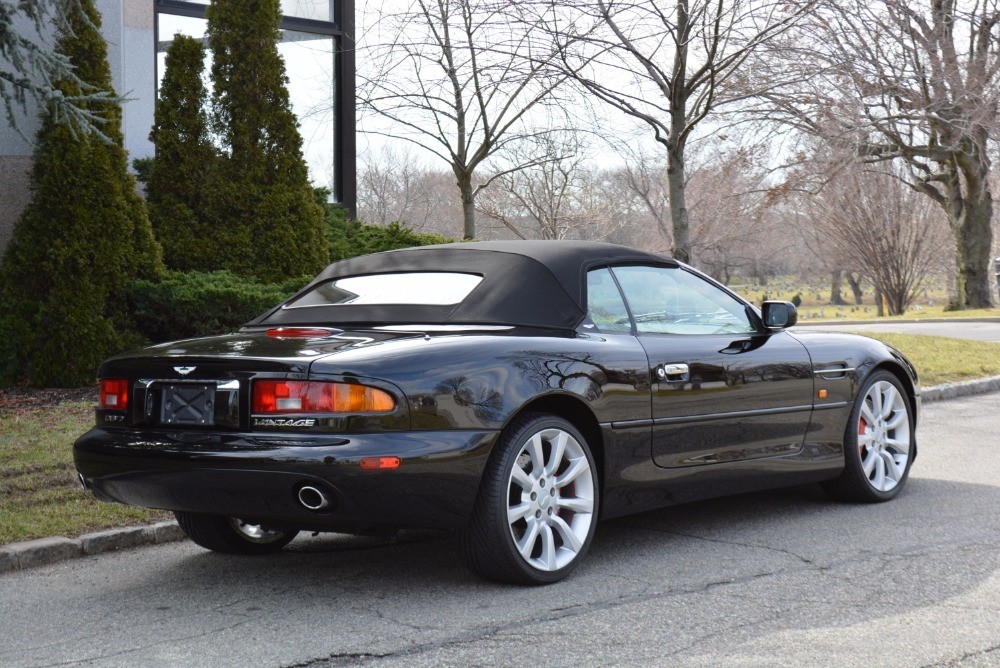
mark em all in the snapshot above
pixel 257 476
pixel 745 397
pixel 779 315
pixel 828 352
pixel 747 416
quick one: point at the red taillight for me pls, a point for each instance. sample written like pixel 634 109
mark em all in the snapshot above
pixel 376 463
pixel 114 393
pixel 299 333
pixel 300 396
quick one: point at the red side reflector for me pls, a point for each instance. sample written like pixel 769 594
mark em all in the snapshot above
pixel 376 463
pixel 299 333
pixel 114 393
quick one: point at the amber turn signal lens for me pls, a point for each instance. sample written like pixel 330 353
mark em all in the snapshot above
pixel 114 393
pixel 300 396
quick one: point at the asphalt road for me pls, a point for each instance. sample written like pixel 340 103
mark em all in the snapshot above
pixel 958 329
pixel 770 579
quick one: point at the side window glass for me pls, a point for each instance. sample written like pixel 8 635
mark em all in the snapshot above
pixel 670 300
pixel 605 305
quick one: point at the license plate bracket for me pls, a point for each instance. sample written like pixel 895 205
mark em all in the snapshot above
pixel 187 404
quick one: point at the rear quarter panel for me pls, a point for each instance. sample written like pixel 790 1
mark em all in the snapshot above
pixel 482 381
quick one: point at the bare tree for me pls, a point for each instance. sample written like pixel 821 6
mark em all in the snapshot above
pixel 394 187
pixel 916 84
pixel 733 224
pixel 888 230
pixel 554 199
pixel 645 176
pixel 459 79
pixel 822 255
pixel 737 223
pixel 667 64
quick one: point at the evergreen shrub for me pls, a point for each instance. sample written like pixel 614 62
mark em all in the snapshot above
pixel 83 237
pixel 179 183
pixel 264 207
pixel 349 238
pixel 189 304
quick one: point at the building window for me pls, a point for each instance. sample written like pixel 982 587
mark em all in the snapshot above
pixel 310 44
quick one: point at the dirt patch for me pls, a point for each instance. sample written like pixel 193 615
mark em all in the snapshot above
pixel 17 399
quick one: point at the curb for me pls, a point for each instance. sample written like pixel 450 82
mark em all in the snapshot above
pixel 886 321
pixel 962 388
pixel 32 553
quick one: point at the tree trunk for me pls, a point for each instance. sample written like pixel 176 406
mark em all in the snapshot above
pixel 836 281
pixel 464 182
pixel 676 181
pixel 975 243
pixel 676 177
pixel 878 303
pixel 970 213
pixel 856 289
pixel 895 300
pixel 758 274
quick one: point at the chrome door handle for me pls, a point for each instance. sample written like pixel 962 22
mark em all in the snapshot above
pixel 672 372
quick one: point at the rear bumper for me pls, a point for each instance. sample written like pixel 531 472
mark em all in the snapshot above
pixel 257 476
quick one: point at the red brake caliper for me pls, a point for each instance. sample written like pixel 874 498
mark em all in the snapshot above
pixel 862 427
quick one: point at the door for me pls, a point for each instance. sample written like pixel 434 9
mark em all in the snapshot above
pixel 723 389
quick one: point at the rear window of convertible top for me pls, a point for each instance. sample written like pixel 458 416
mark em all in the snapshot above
pixel 425 288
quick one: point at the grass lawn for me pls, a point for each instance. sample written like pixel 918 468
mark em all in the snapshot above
pixel 848 313
pixel 942 360
pixel 39 493
pixel 815 300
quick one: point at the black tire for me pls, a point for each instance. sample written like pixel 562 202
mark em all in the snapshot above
pixel 853 484
pixel 223 534
pixel 488 543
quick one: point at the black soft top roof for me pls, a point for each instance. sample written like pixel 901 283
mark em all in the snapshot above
pixel 530 283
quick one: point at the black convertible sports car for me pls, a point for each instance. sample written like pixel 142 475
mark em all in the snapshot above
pixel 513 391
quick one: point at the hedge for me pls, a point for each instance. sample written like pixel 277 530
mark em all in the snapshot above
pixel 190 304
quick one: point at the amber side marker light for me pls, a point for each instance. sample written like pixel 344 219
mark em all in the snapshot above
pixel 114 393
pixel 377 463
pixel 315 396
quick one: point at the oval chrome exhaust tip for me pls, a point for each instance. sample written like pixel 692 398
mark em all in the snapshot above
pixel 312 498
pixel 83 481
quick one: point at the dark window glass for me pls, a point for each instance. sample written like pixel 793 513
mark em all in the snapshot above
pixel 605 305
pixel 670 300
pixel 318 10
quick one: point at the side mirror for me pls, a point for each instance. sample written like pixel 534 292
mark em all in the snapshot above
pixel 779 315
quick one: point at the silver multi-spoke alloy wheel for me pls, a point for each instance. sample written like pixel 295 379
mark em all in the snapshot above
pixel 538 503
pixel 879 442
pixel 256 533
pixel 550 499
pixel 884 436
